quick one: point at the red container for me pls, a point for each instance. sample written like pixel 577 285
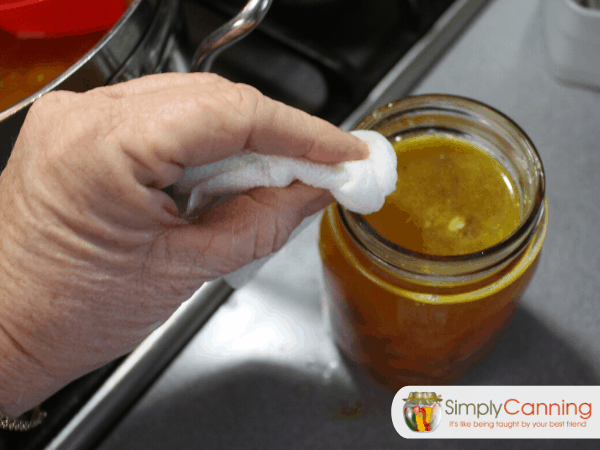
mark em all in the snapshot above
pixel 55 18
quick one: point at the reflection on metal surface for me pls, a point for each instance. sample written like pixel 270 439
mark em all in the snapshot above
pixel 229 34
pixel 252 328
pixel 151 52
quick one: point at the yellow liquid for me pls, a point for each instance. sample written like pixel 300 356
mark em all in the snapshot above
pixel 451 198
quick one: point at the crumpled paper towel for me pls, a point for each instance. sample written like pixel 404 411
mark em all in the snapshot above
pixel 360 186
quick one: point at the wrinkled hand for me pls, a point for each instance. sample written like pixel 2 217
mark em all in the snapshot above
pixel 93 254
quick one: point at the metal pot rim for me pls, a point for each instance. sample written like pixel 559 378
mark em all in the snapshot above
pixel 110 34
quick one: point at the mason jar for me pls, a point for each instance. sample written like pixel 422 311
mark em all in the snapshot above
pixel 409 317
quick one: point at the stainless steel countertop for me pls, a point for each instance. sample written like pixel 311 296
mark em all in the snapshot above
pixel 263 372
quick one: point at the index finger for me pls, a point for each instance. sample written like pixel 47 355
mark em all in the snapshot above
pixel 278 129
pixel 192 124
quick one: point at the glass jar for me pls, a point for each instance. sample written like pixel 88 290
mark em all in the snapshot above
pixel 411 318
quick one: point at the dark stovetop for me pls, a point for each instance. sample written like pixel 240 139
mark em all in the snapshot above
pixel 321 56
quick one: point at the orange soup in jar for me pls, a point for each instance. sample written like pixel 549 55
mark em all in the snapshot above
pixel 417 292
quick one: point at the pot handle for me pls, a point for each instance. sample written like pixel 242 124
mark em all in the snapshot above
pixel 228 34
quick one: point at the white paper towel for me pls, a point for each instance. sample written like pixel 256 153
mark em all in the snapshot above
pixel 360 186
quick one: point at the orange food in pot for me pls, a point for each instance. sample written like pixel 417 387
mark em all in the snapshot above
pixel 27 65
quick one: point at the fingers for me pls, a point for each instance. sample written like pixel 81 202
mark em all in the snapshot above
pixel 159 82
pixel 278 129
pixel 248 227
pixel 195 119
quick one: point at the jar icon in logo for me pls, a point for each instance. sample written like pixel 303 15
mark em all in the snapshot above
pixel 422 411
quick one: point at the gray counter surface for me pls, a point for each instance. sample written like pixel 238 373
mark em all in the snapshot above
pixel 263 373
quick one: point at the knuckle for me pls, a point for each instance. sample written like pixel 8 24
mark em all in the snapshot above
pixel 53 104
pixel 271 230
pixel 44 109
pixel 282 234
pixel 248 91
pixel 243 97
pixel 203 78
pixel 57 98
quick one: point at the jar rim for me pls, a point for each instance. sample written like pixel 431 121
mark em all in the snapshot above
pixel 512 244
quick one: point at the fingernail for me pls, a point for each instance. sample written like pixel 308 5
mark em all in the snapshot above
pixel 361 152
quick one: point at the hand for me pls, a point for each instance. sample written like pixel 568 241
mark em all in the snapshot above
pixel 94 254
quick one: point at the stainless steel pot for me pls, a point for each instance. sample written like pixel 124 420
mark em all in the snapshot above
pixel 120 55
pixel 147 39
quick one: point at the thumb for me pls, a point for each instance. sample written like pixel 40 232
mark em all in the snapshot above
pixel 263 220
